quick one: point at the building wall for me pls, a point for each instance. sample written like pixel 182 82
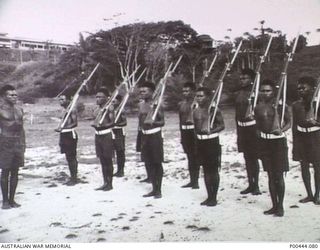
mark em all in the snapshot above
pixel 27 44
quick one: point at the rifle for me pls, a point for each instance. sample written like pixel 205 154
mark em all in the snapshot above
pixel 217 94
pixel 110 101
pixel 256 84
pixel 283 89
pixel 159 92
pixel 312 115
pixel 204 76
pixel 75 99
pixel 121 106
pixel 207 72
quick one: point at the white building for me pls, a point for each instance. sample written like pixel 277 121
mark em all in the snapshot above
pixel 27 44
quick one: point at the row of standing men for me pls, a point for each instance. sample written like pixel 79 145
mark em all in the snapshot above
pixel 256 138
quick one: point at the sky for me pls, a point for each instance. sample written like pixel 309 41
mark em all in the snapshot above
pixel 62 20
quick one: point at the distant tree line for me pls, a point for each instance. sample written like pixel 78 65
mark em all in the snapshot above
pixel 153 46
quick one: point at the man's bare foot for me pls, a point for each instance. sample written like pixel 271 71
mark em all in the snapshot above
pixel 247 190
pixel 204 203
pixel 316 200
pixel 152 193
pixel 279 212
pixel 14 204
pixel 6 205
pixel 270 211
pixel 307 199
pixel 212 203
pixel 189 185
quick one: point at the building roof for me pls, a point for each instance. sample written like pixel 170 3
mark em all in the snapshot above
pixel 4 35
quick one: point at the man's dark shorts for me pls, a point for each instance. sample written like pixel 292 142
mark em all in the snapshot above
pixel 119 139
pixel 188 141
pixel 104 145
pixel 209 152
pixel 152 148
pixel 11 153
pixel 247 140
pixel 306 147
pixel 68 143
pixel 274 154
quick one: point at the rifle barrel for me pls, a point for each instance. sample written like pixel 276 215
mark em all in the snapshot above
pixel 75 98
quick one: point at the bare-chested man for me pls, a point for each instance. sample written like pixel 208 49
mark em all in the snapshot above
pixel 68 140
pixel 12 145
pixel 273 149
pixel 151 139
pixel 187 134
pixel 306 137
pixel 103 137
pixel 246 132
pixel 208 145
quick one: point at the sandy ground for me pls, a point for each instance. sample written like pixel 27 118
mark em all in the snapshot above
pixel 54 212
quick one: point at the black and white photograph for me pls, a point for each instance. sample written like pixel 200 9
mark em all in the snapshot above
pixel 159 121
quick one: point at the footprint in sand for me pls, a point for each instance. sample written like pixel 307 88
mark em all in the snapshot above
pixel 240 177
pixel 71 236
pixel 55 224
pixel 52 185
pixel 101 239
pixel 204 229
pixel 169 222
pixel 134 218
pixel 97 214
pixel 294 206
